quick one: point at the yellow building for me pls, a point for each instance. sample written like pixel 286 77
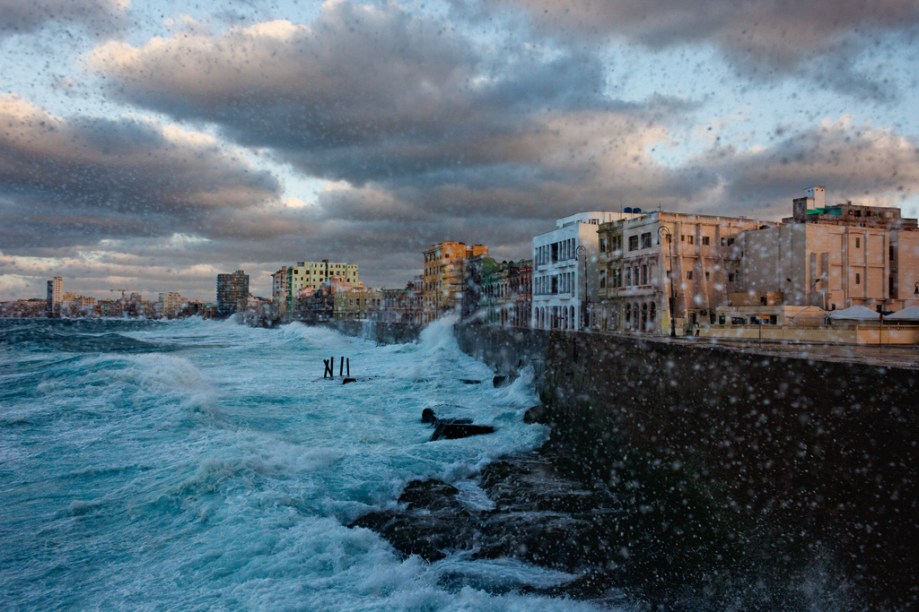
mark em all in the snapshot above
pixel 309 276
pixel 444 276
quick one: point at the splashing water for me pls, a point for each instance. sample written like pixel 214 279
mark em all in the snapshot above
pixel 200 464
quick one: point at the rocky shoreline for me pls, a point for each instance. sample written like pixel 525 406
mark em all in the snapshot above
pixel 636 539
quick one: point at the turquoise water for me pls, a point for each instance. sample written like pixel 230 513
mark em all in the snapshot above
pixel 201 464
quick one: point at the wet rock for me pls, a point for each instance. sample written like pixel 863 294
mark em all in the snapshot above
pixel 469 381
pixel 454 430
pixel 348 380
pixel 500 381
pixel 537 414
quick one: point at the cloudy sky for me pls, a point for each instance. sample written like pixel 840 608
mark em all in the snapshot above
pixel 150 146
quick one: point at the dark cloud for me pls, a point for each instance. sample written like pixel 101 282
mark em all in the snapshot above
pixel 77 180
pixel 760 38
pixel 363 94
pixel 864 164
pixel 98 17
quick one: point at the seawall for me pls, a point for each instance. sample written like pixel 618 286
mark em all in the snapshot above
pixel 814 457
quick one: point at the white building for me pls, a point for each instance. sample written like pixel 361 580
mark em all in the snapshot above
pixel 564 262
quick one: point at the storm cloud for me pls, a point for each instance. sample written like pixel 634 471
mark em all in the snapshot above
pixel 66 181
pixel 98 17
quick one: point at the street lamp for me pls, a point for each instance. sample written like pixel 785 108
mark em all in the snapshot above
pixel 582 250
pixel 663 229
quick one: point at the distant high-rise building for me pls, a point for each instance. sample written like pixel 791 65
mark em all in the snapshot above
pixel 55 296
pixel 231 289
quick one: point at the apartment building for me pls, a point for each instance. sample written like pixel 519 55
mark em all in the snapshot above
pixel 665 272
pixel 231 290
pixel 55 296
pixel 444 275
pixel 308 276
pixel 564 273
pixel 357 304
pixel 832 257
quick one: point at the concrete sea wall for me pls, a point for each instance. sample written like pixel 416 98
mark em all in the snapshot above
pixel 816 457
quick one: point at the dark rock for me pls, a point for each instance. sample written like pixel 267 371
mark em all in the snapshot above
pixel 501 381
pixel 348 380
pixel 428 416
pixel 537 414
pixel 452 430
pixel 469 381
pixel 429 494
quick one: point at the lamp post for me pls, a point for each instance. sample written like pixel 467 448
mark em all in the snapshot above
pixel 663 229
pixel 582 250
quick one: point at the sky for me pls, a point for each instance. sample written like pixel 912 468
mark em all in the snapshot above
pixel 149 146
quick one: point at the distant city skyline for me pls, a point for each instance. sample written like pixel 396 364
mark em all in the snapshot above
pixel 151 146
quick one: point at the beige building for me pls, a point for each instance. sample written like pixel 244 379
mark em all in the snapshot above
pixel 832 257
pixel 357 304
pixel 171 304
pixel 444 276
pixel 664 271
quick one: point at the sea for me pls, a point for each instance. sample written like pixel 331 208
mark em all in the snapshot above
pixel 200 464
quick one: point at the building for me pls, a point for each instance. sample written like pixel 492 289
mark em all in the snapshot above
pixel 832 257
pixel 308 276
pixel 444 277
pixel 357 304
pixel 402 305
pixel 171 304
pixel 55 296
pixel 666 272
pixel 565 279
pixel 280 292
pixel 231 290
pixel 508 294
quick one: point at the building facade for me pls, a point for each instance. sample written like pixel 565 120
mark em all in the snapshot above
pixel 357 304
pixel 280 293
pixel 307 276
pixel 832 257
pixel 171 304
pixel 231 290
pixel 565 271
pixel 663 271
pixel 444 276
pixel 55 296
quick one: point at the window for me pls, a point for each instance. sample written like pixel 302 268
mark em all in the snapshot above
pixel 628 277
pixel 690 239
pixel 646 240
pixel 617 243
pixel 858 243
pixel 603 244
pixel 705 240
pixel 644 275
pixel 689 275
pixel 633 243
pixel 602 279
pixel 707 275
pixel 858 278
pixel 730 277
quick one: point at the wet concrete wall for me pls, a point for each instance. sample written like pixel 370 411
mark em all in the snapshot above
pixel 386 333
pixel 813 456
